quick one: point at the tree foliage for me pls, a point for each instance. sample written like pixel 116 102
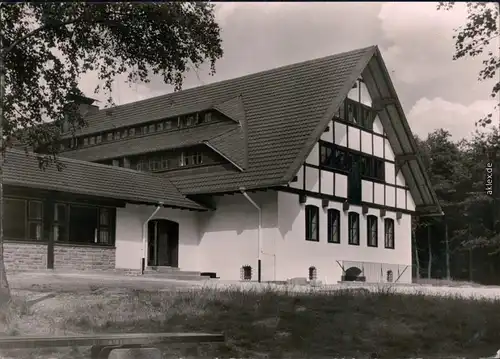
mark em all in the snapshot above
pixel 47 46
pixel 480 36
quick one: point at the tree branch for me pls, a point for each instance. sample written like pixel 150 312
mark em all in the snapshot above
pixel 3 52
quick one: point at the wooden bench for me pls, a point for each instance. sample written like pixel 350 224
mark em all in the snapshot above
pixel 102 344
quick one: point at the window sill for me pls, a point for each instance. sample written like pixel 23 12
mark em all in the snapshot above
pixel 372 245
pixel 312 240
pixel 353 244
pixel 85 245
pixel 333 242
pixel 389 248
pixel 24 241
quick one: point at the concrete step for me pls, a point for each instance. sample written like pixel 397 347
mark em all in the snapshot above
pixel 172 273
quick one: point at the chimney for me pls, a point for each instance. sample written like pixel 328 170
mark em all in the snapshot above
pixel 83 105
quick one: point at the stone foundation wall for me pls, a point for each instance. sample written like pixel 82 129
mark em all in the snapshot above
pixel 20 256
pixel 29 256
pixel 80 258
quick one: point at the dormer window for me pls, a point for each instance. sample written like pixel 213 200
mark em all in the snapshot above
pixel 152 128
pixel 131 131
pixel 92 140
pixel 190 121
pixel 85 141
pixel 124 133
pixel 207 117
pixel 159 126
pixel 98 139
pixel 110 136
pixel 167 125
pixel 117 135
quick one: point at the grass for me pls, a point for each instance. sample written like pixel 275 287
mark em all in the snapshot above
pixel 262 324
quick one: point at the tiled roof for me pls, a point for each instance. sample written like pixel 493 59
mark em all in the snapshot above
pixel 152 143
pixel 282 112
pixel 88 178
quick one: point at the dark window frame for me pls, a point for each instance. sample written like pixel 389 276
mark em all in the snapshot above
pixel 333 226
pixel 353 222
pixel 312 223
pixel 389 233
pixel 372 231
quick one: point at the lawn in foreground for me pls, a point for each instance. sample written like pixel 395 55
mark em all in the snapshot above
pixel 279 324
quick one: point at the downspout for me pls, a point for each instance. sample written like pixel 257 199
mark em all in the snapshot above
pixel 259 233
pixel 144 239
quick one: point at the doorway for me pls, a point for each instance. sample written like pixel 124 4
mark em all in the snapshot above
pixel 163 243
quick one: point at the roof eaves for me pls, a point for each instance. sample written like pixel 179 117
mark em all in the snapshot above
pixel 409 134
pixel 330 112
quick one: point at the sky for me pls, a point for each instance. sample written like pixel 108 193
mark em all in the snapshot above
pixel 415 39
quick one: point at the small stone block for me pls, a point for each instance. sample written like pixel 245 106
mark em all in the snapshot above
pixel 135 353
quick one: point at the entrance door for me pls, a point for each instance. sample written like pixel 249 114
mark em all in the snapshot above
pixel 163 243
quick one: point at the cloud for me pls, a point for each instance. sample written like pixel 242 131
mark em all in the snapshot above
pixel 429 115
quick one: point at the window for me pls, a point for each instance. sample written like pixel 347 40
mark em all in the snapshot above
pixel 104 226
pixel 117 135
pixel 85 141
pixel 98 139
pixel 372 231
pixel 333 226
pixel 159 126
pixel 190 121
pixel 131 131
pixel 167 125
pixel 352 112
pixel 124 133
pixel 326 156
pixel 190 158
pixel 110 136
pixel 90 225
pixel 92 140
pixel 164 163
pixel 353 228
pixel 35 217
pixel 138 131
pixel 14 220
pixel 144 130
pixel 61 222
pixel 152 128
pixel 118 162
pixel 142 165
pixel 154 164
pixel 207 117
pixel 312 223
pixel 389 233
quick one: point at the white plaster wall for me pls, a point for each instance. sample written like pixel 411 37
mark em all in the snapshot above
pixel 295 255
pixel 400 179
pixel 365 95
pixel 129 246
pixel 327 182
pixel 229 236
pixel 379 193
pixel 410 204
pixel 312 179
pixel 378 146
pixel 367 191
pixel 377 126
pixel 401 198
pixel 313 157
pixel 366 142
pixel 340 185
pixel 390 196
pixel 328 135
pixel 389 153
pixel 354 138
pixel 390 173
pixel 340 134
pixel 299 184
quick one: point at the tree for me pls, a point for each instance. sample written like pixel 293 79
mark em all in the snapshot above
pixel 475 39
pixel 45 47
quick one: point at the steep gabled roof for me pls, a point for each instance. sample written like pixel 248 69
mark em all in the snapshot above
pixel 93 179
pixel 279 116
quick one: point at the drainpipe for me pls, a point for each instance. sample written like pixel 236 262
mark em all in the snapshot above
pixel 259 233
pixel 144 236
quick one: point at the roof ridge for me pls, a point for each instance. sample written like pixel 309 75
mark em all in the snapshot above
pixel 166 95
